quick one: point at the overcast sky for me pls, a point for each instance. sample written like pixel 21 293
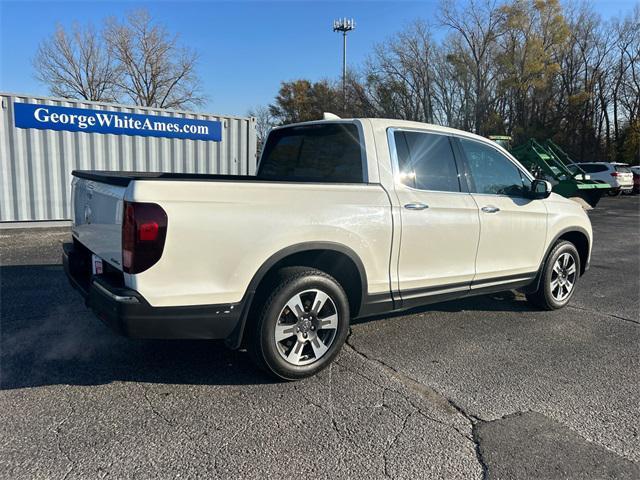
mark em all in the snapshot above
pixel 247 48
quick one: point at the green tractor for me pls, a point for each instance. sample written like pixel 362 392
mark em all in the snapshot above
pixel 550 162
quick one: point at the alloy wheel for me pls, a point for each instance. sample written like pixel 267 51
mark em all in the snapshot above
pixel 563 277
pixel 306 327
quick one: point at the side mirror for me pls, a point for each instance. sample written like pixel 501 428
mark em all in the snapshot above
pixel 540 189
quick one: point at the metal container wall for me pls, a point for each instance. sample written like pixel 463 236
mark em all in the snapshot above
pixel 36 165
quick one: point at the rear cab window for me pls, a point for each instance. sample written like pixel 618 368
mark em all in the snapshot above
pixel 622 169
pixel 330 153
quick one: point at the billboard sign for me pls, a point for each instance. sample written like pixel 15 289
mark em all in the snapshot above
pixel 53 117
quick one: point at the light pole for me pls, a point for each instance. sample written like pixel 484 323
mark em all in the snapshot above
pixel 344 25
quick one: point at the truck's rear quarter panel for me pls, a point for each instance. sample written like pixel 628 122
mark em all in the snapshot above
pixel 219 233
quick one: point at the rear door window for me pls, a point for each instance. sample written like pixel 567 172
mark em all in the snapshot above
pixel 593 167
pixel 426 161
pixel 314 153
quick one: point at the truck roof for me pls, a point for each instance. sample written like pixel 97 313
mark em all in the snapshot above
pixel 391 123
pixel 124 178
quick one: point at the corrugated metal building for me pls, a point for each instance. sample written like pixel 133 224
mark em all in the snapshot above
pixel 44 142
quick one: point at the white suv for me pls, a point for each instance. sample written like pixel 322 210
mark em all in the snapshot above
pixel 618 175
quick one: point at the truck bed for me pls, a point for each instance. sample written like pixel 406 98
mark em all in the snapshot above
pixel 122 179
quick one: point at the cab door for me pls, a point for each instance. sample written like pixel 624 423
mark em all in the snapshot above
pixel 513 228
pixel 439 220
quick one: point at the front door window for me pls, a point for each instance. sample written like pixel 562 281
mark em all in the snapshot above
pixel 491 172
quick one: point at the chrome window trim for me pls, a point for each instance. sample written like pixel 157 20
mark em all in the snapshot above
pixel 395 166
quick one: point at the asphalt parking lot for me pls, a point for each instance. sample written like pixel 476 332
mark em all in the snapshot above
pixel 485 387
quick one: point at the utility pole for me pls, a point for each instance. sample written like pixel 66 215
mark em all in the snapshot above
pixel 344 25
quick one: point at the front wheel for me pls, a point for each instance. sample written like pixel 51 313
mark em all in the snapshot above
pixel 559 277
pixel 302 325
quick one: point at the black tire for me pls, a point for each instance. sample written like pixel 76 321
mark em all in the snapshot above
pixel 544 297
pixel 269 354
pixel 615 192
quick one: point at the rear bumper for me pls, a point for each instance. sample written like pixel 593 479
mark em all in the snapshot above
pixel 127 312
pixel 621 186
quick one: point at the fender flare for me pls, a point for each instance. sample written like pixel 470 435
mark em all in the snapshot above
pixel 234 340
pixel 536 282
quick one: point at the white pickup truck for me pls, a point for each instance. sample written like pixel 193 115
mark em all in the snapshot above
pixel 344 219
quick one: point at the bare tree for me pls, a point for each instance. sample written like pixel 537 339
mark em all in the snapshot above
pixel 157 71
pixel 477 25
pixel 526 68
pixel 401 76
pixel 265 121
pixel 628 50
pixel 77 65
pixel 453 84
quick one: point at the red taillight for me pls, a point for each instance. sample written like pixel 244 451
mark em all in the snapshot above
pixel 614 174
pixel 148 232
pixel 144 229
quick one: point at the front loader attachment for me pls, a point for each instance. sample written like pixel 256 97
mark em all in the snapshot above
pixel 550 163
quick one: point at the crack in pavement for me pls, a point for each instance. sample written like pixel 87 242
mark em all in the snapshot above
pixel 333 419
pixel 63 452
pixel 432 396
pixel 478 452
pixel 618 317
pixel 329 409
pixel 392 443
pixel 388 389
pixel 153 407
pixel 309 399
pixel 388 407
pixel 199 447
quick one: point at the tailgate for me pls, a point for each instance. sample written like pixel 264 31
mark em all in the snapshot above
pixel 97 218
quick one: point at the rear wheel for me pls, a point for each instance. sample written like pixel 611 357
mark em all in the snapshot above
pixel 559 277
pixel 302 325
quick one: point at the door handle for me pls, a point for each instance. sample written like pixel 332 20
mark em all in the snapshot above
pixel 490 209
pixel 416 206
